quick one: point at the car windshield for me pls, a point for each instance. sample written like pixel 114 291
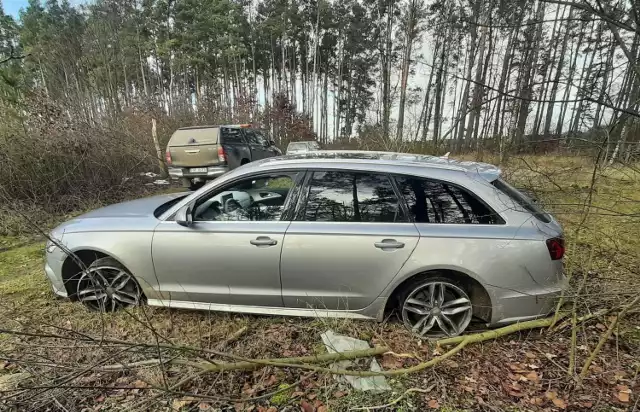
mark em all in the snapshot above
pixel 522 200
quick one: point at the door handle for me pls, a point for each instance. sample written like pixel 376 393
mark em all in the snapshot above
pixel 263 241
pixel 389 244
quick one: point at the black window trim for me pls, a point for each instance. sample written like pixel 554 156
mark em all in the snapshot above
pixel 243 138
pixel 297 175
pixel 502 221
pixel 305 187
pixel 247 137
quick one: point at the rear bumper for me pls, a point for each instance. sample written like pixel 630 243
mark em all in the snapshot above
pixel 519 306
pixel 212 172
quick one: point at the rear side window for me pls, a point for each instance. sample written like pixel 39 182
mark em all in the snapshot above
pixel 431 201
pixel 231 135
pixel 251 137
pixel 337 196
pixel 297 146
pixel 522 200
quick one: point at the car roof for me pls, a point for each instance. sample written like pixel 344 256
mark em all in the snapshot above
pixel 324 157
pixel 236 126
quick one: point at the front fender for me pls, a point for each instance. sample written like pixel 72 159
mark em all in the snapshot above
pixel 132 249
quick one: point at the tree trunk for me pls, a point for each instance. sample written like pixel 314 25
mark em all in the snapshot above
pixel 464 101
pixel 556 78
pixel 506 64
pixel 425 105
pixel 386 71
pixel 406 62
pixel 547 69
pixel 476 99
pixel 584 82
pixel 564 106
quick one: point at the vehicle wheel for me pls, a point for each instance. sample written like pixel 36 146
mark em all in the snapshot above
pixel 185 182
pixel 436 307
pixel 106 286
pixel 196 186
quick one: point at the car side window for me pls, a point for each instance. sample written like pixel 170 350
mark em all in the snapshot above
pixel 340 196
pixel 260 198
pixel 231 135
pixel 260 138
pixel 431 201
pixel 251 137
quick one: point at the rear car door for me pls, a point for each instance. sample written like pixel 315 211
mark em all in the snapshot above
pixel 236 151
pixel 231 252
pixel 350 238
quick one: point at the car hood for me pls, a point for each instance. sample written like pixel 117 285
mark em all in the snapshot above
pixel 133 208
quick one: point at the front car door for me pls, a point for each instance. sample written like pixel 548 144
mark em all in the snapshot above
pixel 257 147
pixel 231 252
pixel 350 238
pixel 269 149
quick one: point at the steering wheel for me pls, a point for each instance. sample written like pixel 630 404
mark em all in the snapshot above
pixel 231 205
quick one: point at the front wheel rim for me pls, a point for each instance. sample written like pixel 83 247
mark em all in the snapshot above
pixel 107 289
pixel 436 309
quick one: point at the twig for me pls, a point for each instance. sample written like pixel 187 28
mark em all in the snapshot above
pixel 574 319
pixel 231 338
pixel 393 402
pixel 603 339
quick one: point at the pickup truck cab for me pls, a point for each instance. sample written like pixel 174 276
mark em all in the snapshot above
pixel 199 153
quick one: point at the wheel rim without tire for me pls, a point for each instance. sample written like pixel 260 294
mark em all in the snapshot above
pixel 437 309
pixel 107 289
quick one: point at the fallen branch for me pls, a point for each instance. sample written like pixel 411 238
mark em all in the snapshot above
pixel 393 402
pixel 498 333
pixel 256 363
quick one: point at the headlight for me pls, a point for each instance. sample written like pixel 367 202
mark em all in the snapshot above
pixel 50 246
pixel 57 236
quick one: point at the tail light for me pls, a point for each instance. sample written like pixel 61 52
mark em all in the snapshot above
pixel 556 248
pixel 222 157
pixel 167 157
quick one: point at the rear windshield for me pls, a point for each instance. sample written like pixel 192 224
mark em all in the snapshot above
pixel 521 200
pixel 190 136
pixel 297 146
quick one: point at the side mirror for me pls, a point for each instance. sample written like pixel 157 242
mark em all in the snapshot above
pixel 184 216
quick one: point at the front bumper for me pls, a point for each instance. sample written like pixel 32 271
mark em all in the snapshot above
pixel 53 269
pixel 212 172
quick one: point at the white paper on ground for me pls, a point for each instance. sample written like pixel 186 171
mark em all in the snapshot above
pixel 340 343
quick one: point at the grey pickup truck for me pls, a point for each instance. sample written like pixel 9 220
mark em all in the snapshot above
pixel 199 153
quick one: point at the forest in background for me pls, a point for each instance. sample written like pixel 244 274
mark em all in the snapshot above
pixel 79 85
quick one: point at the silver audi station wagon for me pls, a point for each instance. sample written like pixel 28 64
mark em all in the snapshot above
pixel 337 234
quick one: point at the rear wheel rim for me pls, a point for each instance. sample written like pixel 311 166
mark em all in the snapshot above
pixel 436 309
pixel 107 289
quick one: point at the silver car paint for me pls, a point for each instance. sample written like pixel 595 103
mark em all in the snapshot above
pixel 510 261
pixel 335 265
pixel 223 267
